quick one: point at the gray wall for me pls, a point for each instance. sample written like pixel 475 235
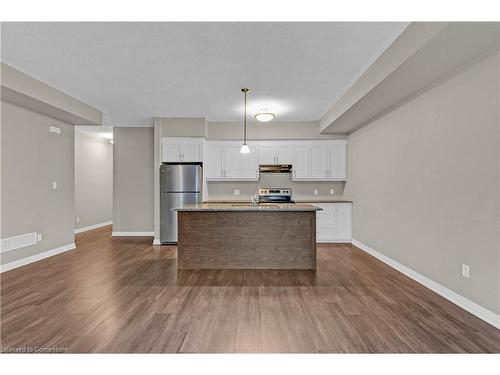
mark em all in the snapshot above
pixel 183 127
pixel 300 190
pixel 31 159
pixel 425 183
pixel 269 130
pixel 93 179
pixel 133 179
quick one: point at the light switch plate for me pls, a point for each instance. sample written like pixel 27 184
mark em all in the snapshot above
pixel 236 191
pixel 315 191
pixel 54 129
pixel 465 270
pixel 332 192
pixel 38 237
pixel 78 219
pixel 54 185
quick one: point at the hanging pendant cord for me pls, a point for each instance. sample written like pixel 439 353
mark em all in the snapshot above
pixel 245 119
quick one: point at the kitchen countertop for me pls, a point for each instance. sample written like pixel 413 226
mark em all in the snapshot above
pixel 297 201
pixel 323 201
pixel 244 206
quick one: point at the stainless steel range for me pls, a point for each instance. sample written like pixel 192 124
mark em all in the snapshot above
pixel 275 195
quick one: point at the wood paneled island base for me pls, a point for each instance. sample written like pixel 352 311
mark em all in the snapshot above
pixel 241 239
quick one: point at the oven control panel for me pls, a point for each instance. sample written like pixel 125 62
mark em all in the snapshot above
pixel 275 191
pixel 283 195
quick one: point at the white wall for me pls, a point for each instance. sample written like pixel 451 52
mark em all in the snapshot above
pixel 93 180
pixel 425 183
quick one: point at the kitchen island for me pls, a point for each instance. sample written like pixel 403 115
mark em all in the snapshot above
pixel 243 236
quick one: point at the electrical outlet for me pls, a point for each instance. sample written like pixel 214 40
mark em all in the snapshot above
pixel 78 219
pixel 332 192
pixel 315 191
pixel 236 191
pixel 38 237
pixel 54 185
pixel 465 270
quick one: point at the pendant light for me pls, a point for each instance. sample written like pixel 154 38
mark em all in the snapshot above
pixel 244 148
pixel 264 116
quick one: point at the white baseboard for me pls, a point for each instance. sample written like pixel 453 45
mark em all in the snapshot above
pixel 132 234
pixel 34 258
pixel 466 304
pixel 90 227
pixel 156 241
pixel 335 241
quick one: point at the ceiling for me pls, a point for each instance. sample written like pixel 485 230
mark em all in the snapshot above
pixel 450 51
pixel 135 71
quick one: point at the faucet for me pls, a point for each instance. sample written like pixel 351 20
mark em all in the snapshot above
pixel 255 199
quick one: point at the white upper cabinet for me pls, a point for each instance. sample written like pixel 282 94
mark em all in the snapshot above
pixel 267 154
pixel 320 160
pixel 302 162
pixel 223 161
pixel 170 151
pixel 278 152
pixel 338 160
pixel 232 161
pixel 212 168
pixel 192 150
pixel 250 167
pixel 181 149
pixel 284 154
pixel 315 160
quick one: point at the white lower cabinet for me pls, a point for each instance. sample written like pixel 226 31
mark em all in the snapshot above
pixel 333 223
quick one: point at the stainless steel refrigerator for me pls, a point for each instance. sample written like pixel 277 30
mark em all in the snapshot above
pixel 180 184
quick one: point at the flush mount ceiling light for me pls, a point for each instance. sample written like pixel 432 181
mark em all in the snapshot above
pixel 264 116
pixel 244 148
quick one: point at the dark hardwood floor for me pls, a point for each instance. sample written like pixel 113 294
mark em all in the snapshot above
pixel 125 295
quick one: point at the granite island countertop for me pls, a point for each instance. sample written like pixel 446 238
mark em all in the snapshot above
pixel 297 201
pixel 244 206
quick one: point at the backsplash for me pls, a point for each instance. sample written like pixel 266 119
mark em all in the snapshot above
pixel 300 190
